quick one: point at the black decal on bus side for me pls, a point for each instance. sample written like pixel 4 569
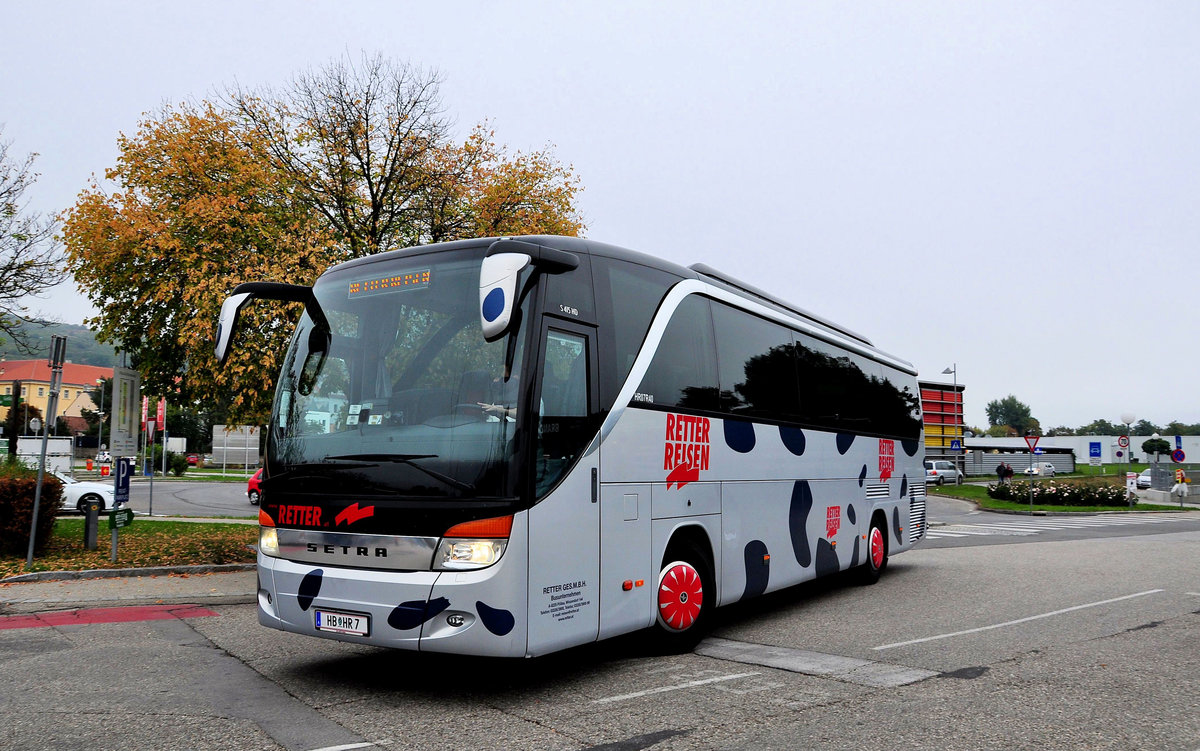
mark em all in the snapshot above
pixel 496 620
pixel 793 439
pixel 844 442
pixel 903 485
pixel 910 447
pixel 310 587
pixel 896 525
pixel 411 614
pixel 862 476
pixel 827 560
pixel 758 569
pixel 739 436
pixel 802 502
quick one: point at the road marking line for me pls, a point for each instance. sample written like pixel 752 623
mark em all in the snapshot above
pixel 345 747
pixel 1013 623
pixel 680 687
pixel 850 669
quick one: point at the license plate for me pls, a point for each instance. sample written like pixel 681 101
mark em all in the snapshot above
pixel 340 622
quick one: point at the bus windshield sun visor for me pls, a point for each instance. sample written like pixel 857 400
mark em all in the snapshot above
pixel 248 291
pixel 500 272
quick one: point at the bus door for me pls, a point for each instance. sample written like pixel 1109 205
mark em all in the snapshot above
pixel 564 537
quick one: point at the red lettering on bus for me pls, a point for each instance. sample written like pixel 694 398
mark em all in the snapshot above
pixel 685 449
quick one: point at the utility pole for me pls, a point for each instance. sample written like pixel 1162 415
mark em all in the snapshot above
pixel 58 354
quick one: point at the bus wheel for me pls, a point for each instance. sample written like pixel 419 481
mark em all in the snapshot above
pixel 877 554
pixel 685 598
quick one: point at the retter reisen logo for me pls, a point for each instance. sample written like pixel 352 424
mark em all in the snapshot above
pixel 687 448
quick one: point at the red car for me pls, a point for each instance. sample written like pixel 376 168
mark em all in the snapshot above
pixel 193 460
pixel 253 491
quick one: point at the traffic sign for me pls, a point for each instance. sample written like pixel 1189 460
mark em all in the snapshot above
pixel 1178 441
pixel 1094 449
pixel 119 518
pixel 956 445
pixel 122 471
pixel 1178 456
pixel 1032 440
pixel 1123 441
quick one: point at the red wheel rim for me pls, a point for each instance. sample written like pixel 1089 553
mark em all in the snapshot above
pixel 877 547
pixel 680 596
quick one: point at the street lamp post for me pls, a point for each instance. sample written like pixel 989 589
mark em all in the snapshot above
pixel 953 369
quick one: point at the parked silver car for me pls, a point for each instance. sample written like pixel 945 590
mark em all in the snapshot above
pixel 1040 469
pixel 941 472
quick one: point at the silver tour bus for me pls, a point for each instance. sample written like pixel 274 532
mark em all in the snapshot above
pixel 512 446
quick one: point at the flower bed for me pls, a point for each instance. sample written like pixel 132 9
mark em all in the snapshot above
pixel 1052 493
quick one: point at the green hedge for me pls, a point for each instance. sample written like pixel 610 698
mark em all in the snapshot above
pixel 18 484
pixel 1052 493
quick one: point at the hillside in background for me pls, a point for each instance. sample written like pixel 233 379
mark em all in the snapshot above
pixel 82 347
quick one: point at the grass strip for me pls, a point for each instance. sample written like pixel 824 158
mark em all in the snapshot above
pixel 146 542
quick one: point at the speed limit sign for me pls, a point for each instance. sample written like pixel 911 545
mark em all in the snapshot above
pixel 1123 441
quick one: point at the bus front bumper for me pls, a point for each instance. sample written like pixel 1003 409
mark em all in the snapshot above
pixel 463 612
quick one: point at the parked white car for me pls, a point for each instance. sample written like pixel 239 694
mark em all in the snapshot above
pixel 1143 480
pixel 76 493
pixel 1040 469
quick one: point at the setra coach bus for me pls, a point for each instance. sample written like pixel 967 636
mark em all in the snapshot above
pixel 512 446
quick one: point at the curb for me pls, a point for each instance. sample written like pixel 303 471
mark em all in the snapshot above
pixel 113 573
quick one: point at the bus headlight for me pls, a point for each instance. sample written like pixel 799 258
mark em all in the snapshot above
pixel 268 541
pixel 473 545
pixel 460 555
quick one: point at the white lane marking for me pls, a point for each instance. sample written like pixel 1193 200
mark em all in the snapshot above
pixel 680 687
pixel 850 669
pixel 345 747
pixel 1013 623
pixel 1197 594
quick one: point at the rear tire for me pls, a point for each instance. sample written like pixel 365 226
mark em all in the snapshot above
pixel 253 497
pixel 684 602
pixel 877 554
pixel 84 501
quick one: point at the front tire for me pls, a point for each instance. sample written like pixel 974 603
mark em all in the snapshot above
pixel 84 501
pixel 685 599
pixel 877 554
pixel 941 480
pixel 253 494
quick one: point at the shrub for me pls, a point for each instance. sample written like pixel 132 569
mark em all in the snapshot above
pixel 177 463
pixel 1052 493
pixel 18 485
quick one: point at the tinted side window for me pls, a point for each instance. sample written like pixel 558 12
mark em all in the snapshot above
pixel 627 295
pixel 683 371
pixel 757 367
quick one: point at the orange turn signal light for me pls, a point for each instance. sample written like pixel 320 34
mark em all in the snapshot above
pixel 264 519
pixel 499 526
pixel 627 585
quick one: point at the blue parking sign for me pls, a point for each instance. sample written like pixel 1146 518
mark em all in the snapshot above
pixel 1094 448
pixel 122 471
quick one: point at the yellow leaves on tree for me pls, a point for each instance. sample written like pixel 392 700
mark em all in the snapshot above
pixel 197 209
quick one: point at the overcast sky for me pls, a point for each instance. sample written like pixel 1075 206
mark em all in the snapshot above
pixel 1009 187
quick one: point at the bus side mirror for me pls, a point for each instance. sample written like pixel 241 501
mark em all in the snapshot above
pixel 228 323
pixel 498 291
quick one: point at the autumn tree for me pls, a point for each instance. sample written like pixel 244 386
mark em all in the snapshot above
pixel 30 259
pixel 369 146
pixel 344 162
pixel 197 209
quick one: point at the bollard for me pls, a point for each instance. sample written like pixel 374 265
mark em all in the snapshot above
pixel 91 524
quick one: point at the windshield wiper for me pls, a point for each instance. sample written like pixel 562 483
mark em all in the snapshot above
pixel 410 460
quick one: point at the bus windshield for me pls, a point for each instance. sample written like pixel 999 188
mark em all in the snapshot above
pixel 393 391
